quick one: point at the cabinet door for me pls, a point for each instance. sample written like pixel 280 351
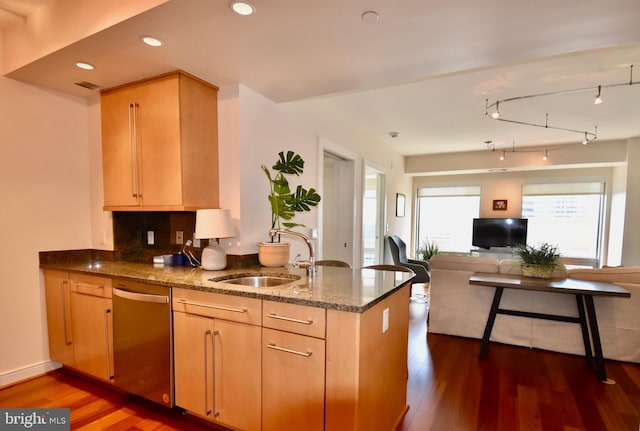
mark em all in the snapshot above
pixel 192 337
pixel 218 369
pixel 159 142
pixel 237 369
pixel 56 286
pixel 119 157
pixel 141 146
pixel 92 323
pixel 292 382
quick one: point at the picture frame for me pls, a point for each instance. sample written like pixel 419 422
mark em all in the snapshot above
pixel 400 203
pixel 499 204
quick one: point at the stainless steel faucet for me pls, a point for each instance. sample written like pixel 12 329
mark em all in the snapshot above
pixel 309 264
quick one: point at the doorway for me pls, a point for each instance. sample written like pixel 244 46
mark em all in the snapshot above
pixel 338 208
pixel 373 210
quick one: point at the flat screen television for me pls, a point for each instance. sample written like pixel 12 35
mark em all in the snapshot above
pixel 499 232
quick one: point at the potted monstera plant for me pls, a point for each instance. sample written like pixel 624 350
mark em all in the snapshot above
pixel 538 261
pixel 285 203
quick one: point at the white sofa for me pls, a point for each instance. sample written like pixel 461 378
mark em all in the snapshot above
pixel 458 308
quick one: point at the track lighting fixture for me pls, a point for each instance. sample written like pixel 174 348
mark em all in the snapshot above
pixel 546 155
pixel 598 99
pixel 496 115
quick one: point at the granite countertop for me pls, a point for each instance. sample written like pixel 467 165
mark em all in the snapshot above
pixel 354 290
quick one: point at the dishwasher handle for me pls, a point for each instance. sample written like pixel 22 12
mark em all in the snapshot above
pixel 141 297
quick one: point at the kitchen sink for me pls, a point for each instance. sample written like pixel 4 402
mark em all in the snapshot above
pixel 257 280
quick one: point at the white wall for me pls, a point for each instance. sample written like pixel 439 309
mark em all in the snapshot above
pixel 631 245
pixel 45 190
pixel 329 125
pixel 253 129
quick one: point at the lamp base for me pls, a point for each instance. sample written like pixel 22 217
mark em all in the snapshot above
pixel 214 257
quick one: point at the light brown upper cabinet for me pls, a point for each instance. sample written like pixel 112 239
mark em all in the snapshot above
pixel 160 144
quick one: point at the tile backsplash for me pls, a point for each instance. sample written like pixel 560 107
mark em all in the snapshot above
pixel 130 231
pixel 130 237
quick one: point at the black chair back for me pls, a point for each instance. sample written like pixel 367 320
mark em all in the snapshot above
pixel 398 249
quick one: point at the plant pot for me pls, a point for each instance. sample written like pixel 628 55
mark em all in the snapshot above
pixel 537 271
pixel 273 254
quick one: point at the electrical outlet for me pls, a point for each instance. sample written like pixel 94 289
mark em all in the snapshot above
pixel 385 320
pixel 196 241
pixel 151 238
pixel 179 237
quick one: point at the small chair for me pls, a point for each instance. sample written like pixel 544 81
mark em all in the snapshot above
pixel 338 263
pixel 399 255
pixel 398 250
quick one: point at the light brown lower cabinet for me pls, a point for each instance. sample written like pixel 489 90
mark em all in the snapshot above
pixel 293 381
pixel 80 322
pixel 217 361
pixel 56 288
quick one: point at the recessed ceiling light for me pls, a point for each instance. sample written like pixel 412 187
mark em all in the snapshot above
pixel 84 65
pixel 243 8
pixel 152 41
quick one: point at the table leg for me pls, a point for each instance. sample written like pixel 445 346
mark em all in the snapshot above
pixel 586 337
pixel 597 359
pixel 490 321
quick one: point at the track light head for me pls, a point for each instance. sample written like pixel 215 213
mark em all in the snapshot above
pixel 598 100
pixel 496 114
pixel 586 139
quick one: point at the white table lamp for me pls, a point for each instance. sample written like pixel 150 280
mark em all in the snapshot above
pixel 214 224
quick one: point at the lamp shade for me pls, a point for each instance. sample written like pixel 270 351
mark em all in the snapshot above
pixel 214 223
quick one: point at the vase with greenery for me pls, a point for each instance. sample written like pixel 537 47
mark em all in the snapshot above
pixel 428 249
pixel 286 203
pixel 538 261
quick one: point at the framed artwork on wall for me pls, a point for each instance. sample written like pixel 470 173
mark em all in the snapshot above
pixel 499 204
pixel 400 198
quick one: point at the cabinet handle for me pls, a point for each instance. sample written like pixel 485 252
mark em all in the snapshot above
pixel 106 342
pixel 215 307
pixel 206 373
pixel 91 286
pixel 295 352
pixel 133 149
pixel 210 334
pixel 213 353
pixel 289 319
pixel 65 316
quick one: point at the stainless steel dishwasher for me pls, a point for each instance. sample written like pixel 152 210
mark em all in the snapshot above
pixel 142 340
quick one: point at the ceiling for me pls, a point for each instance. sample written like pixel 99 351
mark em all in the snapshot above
pixel 424 69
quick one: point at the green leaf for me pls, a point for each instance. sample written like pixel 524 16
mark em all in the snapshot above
pixel 303 200
pixel 292 164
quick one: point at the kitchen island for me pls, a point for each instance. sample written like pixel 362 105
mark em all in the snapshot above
pixel 327 352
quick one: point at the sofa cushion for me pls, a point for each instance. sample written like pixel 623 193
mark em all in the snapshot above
pixel 464 263
pixel 611 275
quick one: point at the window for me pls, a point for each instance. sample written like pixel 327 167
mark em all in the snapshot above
pixel 568 215
pixel 445 216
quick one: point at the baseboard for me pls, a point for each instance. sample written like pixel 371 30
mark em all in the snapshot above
pixel 24 373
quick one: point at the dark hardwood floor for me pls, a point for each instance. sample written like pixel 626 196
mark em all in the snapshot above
pixel 512 389
pixel 448 389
